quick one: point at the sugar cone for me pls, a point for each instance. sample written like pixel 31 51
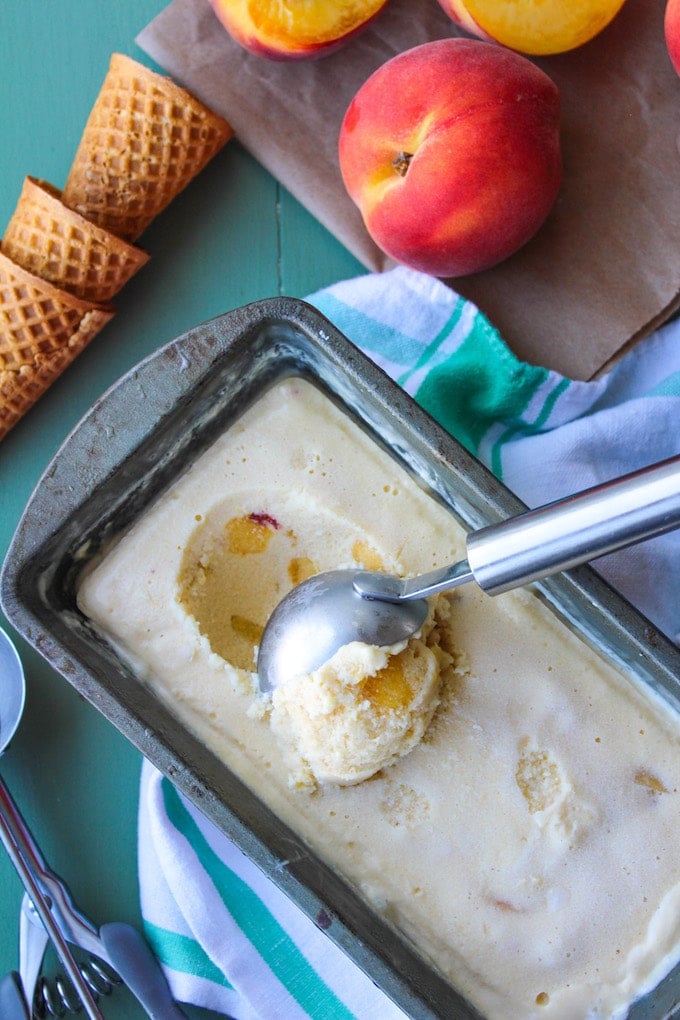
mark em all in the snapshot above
pixel 144 141
pixel 42 330
pixel 56 243
pixel 22 387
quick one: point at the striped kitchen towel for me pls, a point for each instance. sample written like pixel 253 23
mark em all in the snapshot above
pixel 228 938
pixel 543 435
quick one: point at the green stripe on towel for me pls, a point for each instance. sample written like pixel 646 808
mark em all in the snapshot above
pixel 669 387
pixel 428 353
pixel 480 384
pixel 526 428
pixel 256 922
pixel 183 954
pixel 468 389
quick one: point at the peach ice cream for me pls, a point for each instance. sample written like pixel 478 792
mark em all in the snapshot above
pixel 526 844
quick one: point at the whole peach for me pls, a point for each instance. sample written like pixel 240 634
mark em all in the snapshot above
pixel 672 31
pixel 534 26
pixel 295 31
pixel 451 151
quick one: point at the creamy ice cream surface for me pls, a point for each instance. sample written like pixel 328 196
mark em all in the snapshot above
pixel 527 842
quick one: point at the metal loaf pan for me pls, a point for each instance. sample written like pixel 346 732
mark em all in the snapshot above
pixel 143 433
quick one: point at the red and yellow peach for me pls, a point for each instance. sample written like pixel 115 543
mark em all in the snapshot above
pixel 451 151
pixel 298 31
pixel 534 26
pixel 672 32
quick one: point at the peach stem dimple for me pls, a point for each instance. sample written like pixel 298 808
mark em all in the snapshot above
pixel 401 162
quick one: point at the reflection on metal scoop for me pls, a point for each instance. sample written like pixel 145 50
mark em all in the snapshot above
pixel 333 609
pixel 321 615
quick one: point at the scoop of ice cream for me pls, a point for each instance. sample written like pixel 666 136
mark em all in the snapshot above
pixel 363 709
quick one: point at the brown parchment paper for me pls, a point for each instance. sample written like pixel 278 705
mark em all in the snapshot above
pixel 604 269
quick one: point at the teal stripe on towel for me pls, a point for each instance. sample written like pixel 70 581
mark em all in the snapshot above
pixel 526 428
pixel 183 954
pixel 480 384
pixel 373 337
pixel 256 922
pixel 669 387
pixel 429 352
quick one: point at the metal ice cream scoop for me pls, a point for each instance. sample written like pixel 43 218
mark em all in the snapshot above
pixel 332 609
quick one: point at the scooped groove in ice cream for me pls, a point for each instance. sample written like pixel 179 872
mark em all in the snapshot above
pixel 364 708
pixel 527 845
pixel 360 711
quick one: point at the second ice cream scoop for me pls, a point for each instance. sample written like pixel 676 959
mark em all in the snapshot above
pixel 337 607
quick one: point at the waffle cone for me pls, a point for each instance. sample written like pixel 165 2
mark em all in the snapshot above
pixel 42 330
pixel 56 243
pixel 22 387
pixel 145 140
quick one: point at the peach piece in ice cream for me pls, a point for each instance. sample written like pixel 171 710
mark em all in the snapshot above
pixel 284 31
pixel 534 26
pixel 451 151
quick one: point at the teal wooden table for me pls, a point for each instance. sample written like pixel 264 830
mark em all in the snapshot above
pixel 232 237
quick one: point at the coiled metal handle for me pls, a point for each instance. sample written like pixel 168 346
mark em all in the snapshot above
pixel 56 997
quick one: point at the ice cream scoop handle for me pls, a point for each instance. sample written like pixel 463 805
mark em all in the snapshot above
pixel 38 880
pixel 132 959
pixel 575 530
